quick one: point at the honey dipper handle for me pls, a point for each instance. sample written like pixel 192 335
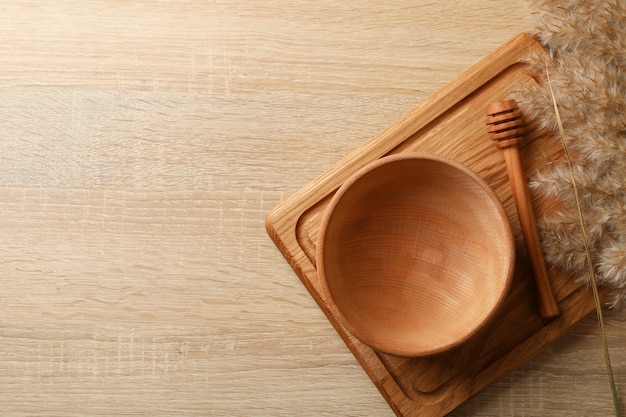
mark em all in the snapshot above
pixel 548 307
pixel 506 128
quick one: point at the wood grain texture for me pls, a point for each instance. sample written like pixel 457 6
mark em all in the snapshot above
pixel 141 146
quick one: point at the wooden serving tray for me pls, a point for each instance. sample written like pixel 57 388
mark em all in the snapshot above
pixel 451 123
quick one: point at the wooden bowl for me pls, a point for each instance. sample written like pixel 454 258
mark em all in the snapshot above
pixel 415 253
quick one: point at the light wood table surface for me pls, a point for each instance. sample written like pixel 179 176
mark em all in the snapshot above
pixel 141 146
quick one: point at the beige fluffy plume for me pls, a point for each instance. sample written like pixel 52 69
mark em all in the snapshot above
pixel 586 40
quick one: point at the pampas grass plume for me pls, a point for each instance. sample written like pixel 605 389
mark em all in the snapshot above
pixel 586 41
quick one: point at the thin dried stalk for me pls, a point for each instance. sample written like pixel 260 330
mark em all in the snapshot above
pixel 592 275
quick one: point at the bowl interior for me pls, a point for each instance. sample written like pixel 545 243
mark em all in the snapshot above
pixel 415 253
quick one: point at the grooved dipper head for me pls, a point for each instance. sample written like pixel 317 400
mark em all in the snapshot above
pixel 506 123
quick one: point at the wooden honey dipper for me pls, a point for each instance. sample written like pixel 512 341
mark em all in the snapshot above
pixel 506 128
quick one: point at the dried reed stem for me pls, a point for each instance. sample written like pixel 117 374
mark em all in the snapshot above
pixel 592 275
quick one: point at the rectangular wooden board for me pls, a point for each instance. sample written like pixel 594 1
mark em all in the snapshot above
pixel 451 123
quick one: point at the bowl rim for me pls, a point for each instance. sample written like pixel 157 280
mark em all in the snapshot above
pixel 328 212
